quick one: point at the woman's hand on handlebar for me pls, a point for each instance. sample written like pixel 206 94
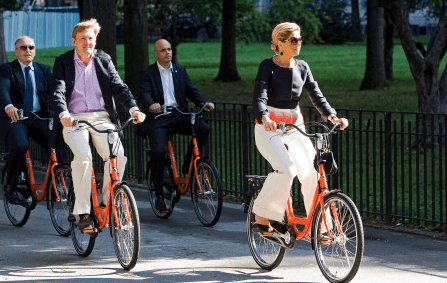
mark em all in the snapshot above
pixel 343 121
pixel 268 124
pixel 140 116
pixel 67 120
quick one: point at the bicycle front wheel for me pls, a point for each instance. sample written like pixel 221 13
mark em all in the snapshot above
pixel 59 208
pixel 83 243
pixel 125 227
pixel 17 214
pixel 338 259
pixel 207 193
pixel 267 254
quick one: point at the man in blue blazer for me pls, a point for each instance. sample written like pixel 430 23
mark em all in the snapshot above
pixel 86 86
pixel 25 85
pixel 165 83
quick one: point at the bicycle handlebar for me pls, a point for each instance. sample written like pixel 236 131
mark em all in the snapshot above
pixel 21 114
pixel 167 110
pixel 282 126
pixel 77 122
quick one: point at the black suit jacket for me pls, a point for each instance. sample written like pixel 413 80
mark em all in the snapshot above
pixel 151 91
pixel 113 89
pixel 12 89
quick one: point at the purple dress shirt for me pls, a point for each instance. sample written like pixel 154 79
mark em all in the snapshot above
pixel 86 95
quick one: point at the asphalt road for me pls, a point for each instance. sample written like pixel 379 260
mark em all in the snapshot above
pixel 180 249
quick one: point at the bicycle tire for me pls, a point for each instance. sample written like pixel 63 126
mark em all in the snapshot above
pixel 266 254
pixel 60 209
pixel 208 202
pixel 338 260
pixel 166 192
pixel 126 235
pixel 83 243
pixel 17 214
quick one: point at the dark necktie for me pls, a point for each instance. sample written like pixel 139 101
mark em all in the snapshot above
pixel 29 93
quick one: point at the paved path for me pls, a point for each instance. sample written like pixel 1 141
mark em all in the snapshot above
pixel 180 249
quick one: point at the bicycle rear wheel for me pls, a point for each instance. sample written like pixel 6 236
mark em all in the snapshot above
pixel 267 254
pixel 83 243
pixel 339 259
pixel 17 214
pixel 59 209
pixel 125 227
pixel 167 173
pixel 207 193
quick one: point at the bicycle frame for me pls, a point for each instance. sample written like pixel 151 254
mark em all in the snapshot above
pixel 184 184
pixel 40 190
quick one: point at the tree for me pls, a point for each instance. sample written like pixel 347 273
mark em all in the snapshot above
pixel 389 45
pixel 375 63
pixel 228 68
pixel 356 34
pixel 104 12
pixel 136 55
pixel 424 65
pixel 6 4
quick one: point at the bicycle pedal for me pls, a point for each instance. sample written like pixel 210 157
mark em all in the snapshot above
pixel 89 231
pixel 267 233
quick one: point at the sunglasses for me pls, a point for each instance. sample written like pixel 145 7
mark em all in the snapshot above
pixel 24 47
pixel 295 41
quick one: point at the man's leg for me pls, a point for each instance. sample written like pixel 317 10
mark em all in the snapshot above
pixel 17 140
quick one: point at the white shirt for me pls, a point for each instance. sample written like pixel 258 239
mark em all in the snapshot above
pixel 168 85
pixel 36 104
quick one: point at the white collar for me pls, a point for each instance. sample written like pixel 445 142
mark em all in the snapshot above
pixel 161 68
pixel 23 66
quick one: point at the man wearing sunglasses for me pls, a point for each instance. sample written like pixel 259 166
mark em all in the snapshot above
pixel 25 85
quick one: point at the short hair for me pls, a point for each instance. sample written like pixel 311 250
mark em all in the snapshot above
pixel 281 33
pixel 22 37
pixel 80 27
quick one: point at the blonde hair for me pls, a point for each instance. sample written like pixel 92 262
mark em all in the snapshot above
pixel 281 33
pixel 80 27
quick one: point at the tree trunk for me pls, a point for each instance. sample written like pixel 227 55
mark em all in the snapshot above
pixel 432 94
pixel 228 68
pixel 104 12
pixel 3 57
pixel 375 62
pixel 389 46
pixel 356 34
pixel 136 54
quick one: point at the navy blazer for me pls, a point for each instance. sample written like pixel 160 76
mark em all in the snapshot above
pixel 113 89
pixel 12 89
pixel 151 91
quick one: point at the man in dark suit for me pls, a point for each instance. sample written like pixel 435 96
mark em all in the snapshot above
pixel 165 83
pixel 86 86
pixel 25 85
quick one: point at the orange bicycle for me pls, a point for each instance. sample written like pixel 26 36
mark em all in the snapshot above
pixel 333 225
pixel 120 212
pixel 203 179
pixel 54 189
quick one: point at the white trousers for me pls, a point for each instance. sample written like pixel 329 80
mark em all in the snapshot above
pixel 78 141
pixel 295 160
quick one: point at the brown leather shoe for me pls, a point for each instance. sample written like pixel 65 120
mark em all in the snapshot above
pixel 85 223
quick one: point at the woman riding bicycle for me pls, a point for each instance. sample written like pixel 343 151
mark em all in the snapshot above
pixel 278 87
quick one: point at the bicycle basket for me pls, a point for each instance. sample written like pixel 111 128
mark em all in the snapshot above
pixel 330 166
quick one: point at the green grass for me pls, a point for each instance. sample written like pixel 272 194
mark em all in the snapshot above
pixel 339 70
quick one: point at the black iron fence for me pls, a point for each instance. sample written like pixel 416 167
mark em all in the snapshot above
pixel 391 168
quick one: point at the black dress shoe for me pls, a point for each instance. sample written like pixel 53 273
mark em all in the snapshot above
pixel 85 223
pixel 160 205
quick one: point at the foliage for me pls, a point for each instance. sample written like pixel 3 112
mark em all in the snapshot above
pixel 255 26
pixel 336 23
pixel 12 4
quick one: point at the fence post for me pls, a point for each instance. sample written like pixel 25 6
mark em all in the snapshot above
pixel 140 165
pixel 245 152
pixel 388 178
pixel 335 150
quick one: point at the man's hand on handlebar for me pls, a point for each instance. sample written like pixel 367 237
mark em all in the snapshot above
pixel 209 106
pixel 140 116
pixel 12 113
pixel 155 108
pixel 67 120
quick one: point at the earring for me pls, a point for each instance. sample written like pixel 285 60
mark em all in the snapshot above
pixel 280 53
